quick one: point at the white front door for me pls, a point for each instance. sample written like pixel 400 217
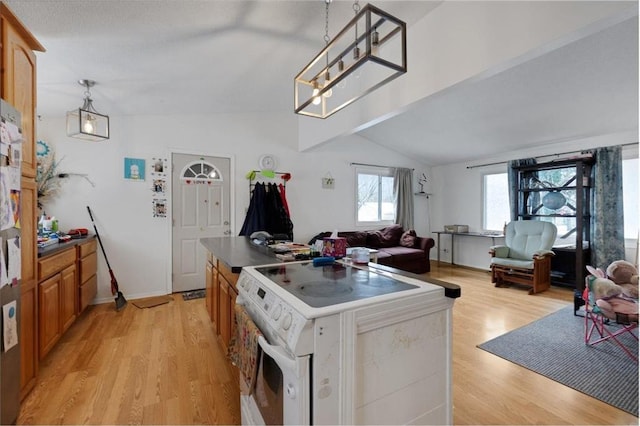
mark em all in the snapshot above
pixel 200 209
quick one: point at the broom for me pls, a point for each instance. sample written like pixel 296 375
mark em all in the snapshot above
pixel 120 300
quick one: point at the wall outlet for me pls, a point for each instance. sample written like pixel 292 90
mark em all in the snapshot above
pixel 327 183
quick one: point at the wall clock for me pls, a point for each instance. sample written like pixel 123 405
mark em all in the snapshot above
pixel 267 162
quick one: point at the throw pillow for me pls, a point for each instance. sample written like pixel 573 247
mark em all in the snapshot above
pixel 409 238
pixel 386 237
pixel 392 234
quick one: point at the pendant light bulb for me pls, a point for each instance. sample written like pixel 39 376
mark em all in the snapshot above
pixel 375 41
pixel 314 94
pixel 88 126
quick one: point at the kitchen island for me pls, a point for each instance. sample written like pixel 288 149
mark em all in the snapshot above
pixel 225 259
pixel 237 252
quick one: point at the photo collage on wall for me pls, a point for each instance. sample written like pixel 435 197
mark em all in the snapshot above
pixel 158 170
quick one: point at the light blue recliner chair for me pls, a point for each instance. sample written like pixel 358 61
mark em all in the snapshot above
pixel 526 256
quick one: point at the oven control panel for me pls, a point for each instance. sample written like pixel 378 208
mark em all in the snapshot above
pixel 274 316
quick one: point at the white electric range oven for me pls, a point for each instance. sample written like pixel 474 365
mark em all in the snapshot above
pixel 347 345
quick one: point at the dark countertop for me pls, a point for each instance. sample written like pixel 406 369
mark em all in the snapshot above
pixel 238 252
pixel 55 248
pixel 450 289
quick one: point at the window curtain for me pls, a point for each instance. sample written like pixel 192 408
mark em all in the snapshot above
pixel 607 223
pixel 403 192
pixel 512 179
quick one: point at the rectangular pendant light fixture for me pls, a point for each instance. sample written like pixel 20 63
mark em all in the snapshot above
pixel 85 122
pixel 370 51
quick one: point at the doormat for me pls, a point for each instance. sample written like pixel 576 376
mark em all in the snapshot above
pixel 150 302
pixel 554 347
pixel 195 294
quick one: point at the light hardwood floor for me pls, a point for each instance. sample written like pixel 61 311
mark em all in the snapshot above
pixel 162 365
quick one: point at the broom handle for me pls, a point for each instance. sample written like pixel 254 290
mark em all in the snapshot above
pixel 100 242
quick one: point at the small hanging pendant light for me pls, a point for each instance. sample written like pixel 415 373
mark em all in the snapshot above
pixel 85 122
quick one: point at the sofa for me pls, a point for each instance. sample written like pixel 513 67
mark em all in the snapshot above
pixel 396 247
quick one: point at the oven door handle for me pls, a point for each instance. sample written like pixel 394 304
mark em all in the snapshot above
pixel 278 354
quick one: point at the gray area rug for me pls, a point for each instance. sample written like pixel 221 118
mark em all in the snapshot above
pixel 554 347
pixel 195 294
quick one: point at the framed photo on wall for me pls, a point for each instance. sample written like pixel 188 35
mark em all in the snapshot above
pixel 134 168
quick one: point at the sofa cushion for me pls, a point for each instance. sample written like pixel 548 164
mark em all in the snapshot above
pixel 383 255
pixel 409 238
pixel 385 237
pixel 406 253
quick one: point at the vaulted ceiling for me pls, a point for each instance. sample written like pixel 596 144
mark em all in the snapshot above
pixel 215 56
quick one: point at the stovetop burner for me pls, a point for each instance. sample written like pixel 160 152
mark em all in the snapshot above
pixel 325 289
pixel 320 286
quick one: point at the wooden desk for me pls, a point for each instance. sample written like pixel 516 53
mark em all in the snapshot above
pixel 467 234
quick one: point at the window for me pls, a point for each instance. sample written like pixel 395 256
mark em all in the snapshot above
pixel 496 200
pixel 375 201
pixel 495 190
pixel 630 197
pixel 200 172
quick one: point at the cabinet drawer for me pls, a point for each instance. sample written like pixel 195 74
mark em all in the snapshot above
pixel 88 247
pixel 55 263
pixel 88 266
pixel 226 272
pixel 88 291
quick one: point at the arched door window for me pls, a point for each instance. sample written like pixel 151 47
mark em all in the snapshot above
pixel 200 172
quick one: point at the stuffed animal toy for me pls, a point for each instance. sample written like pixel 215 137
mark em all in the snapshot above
pixel 604 288
pixel 609 297
pixel 625 274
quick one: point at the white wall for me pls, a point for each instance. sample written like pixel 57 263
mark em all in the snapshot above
pixel 138 245
pixel 457 198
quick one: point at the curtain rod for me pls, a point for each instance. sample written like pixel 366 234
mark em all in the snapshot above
pixel 375 165
pixel 543 156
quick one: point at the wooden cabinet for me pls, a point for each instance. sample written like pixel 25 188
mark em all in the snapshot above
pixel 68 297
pixel 18 84
pixel 57 302
pixel 221 299
pixel 18 87
pixel 225 313
pixel 209 289
pixel 213 292
pixel 29 288
pixel 49 307
pixel 87 278
pixel 57 297
pixel 67 285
